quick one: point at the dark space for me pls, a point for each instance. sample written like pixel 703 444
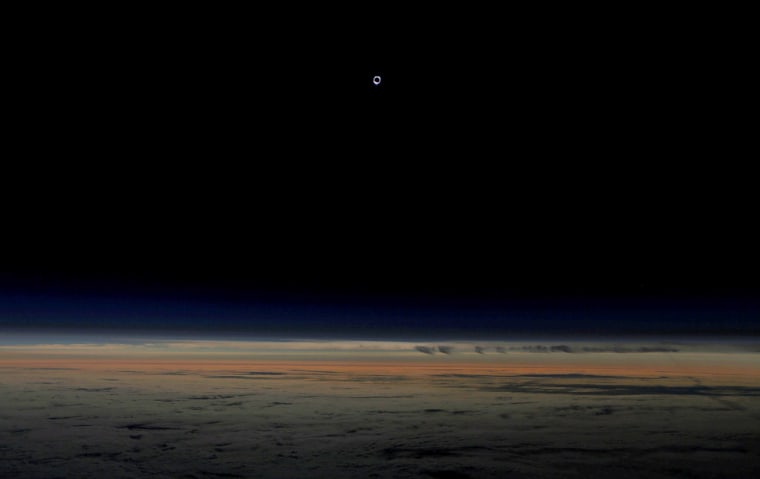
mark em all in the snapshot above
pixel 529 158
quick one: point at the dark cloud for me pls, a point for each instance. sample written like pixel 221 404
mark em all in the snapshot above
pixel 656 350
pixel 147 427
pixel 621 349
pixel 570 376
pixel 533 349
pixel 480 349
pixel 231 376
pixel 560 348
pixel 431 452
pixel 563 348
pixel 433 349
pixel 595 389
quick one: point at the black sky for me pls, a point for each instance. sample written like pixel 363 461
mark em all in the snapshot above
pixel 528 157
